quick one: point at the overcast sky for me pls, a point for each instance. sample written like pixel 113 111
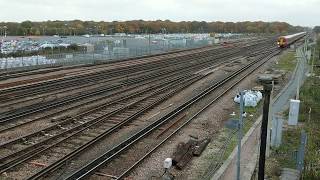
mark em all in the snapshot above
pixel 295 12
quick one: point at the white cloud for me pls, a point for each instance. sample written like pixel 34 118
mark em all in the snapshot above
pixel 296 12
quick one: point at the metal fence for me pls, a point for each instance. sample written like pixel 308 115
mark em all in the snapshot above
pixel 75 58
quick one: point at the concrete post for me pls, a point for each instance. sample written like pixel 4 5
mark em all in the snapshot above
pixel 301 151
pixel 276 136
pixel 294 112
pixel 269 123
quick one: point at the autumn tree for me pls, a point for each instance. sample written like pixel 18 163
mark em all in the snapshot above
pixel 78 27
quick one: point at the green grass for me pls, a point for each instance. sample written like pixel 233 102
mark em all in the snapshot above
pixel 310 123
pixel 287 62
pixel 285 153
pixel 232 144
pixel 224 134
pixel 248 122
pixel 310 98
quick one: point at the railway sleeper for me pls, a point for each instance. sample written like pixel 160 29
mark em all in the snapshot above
pixel 112 121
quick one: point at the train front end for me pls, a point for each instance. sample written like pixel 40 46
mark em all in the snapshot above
pixel 282 42
pixel 286 41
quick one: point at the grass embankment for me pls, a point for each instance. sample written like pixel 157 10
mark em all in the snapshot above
pixel 287 62
pixel 252 115
pixel 226 140
pixel 283 157
pixel 309 115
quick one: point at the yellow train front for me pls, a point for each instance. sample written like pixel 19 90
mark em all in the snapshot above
pixel 286 41
pixel 282 42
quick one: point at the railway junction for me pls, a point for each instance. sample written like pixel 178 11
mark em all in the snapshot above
pixel 123 119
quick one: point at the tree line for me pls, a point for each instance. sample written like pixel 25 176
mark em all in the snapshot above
pixel 316 29
pixel 78 27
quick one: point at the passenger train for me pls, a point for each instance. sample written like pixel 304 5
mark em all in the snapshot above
pixel 286 41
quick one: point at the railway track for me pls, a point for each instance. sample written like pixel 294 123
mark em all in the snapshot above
pixel 91 77
pixel 20 73
pixel 27 92
pixel 49 86
pixel 115 155
pixel 119 81
pixel 47 131
pixel 72 131
pixel 109 118
pixel 16 114
pixel 63 124
pixel 102 75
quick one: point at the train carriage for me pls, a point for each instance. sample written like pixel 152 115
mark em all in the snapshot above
pixel 285 41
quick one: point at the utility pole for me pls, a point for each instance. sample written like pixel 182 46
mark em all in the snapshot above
pixel 149 42
pixel 298 83
pixel 306 46
pixel 314 53
pixel 5 31
pixel 267 87
pixel 238 125
pixel 300 60
pixel 240 134
pixel 319 53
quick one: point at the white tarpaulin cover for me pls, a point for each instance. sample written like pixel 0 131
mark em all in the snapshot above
pixel 24 61
pixel 251 98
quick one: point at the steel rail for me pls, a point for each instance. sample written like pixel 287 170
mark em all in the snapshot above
pixel 265 59
pixel 90 76
pixel 98 162
pixel 179 86
pixel 35 108
pixel 99 73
